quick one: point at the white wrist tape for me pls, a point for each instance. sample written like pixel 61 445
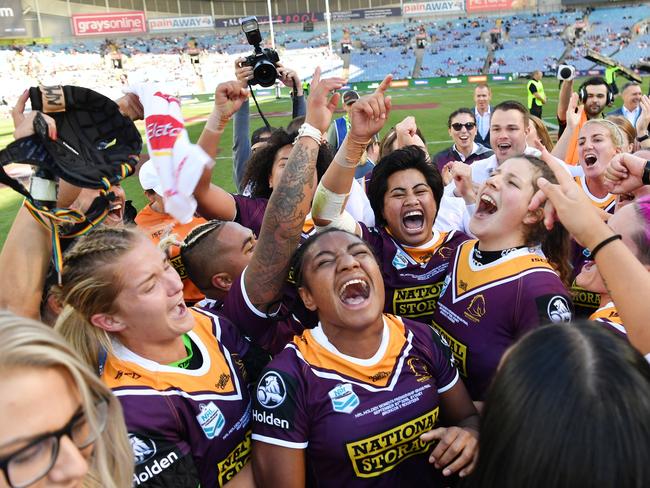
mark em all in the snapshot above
pixel 43 189
pixel 327 205
pixel 345 221
pixel 307 130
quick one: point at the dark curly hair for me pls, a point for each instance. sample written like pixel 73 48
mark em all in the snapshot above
pixel 260 165
pixel 409 157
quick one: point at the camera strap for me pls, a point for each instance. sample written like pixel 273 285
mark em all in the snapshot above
pixel 259 110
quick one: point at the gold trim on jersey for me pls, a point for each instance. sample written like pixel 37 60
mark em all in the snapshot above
pixel 468 279
pixel 129 374
pixel 379 376
pixel 607 203
pixel 607 313
pixel 423 254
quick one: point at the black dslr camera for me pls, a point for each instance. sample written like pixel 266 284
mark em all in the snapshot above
pixel 262 61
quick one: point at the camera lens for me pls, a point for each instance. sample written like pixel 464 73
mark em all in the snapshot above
pixel 565 73
pixel 265 73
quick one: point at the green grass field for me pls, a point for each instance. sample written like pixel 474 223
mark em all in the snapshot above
pixel 432 122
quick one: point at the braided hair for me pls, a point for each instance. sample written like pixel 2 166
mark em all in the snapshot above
pixel 91 285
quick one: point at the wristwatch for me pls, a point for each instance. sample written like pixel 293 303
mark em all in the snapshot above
pixel 645 179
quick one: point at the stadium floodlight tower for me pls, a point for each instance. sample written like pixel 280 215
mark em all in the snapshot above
pixel 329 24
pixel 268 5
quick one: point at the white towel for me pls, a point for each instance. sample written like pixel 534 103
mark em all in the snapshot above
pixel 178 162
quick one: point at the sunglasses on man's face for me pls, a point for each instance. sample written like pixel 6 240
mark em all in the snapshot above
pixel 458 126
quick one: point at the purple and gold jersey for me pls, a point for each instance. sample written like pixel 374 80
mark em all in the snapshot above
pixel 413 277
pixel 270 334
pixel 186 426
pixel 584 301
pixel 250 212
pixel 608 317
pixel 484 309
pixel 358 420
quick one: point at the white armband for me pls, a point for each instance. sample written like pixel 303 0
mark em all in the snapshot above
pixel 327 205
pixel 344 221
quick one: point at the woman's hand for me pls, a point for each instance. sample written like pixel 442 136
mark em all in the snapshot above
pixel 624 173
pixel 574 112
pixel 320 105
pixel 130 106
pixel 456 451
pixel 643 122
pixel 461 174
pixel 24 124
pixel 369 114
pixel 228 98
pixel 566 203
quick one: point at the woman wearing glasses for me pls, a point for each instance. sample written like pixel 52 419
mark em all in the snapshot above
pixel 59 425
pixel 462 130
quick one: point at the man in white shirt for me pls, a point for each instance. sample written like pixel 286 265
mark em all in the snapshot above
pixel 482 112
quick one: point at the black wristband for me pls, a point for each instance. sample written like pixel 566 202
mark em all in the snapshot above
pixel 645 178
pixel 598 247
pixel 643 138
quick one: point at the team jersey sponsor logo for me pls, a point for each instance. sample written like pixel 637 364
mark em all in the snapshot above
pixel 271 390
pixel 380 453
pixel 584 298
pixel 344 399
pixel 400 261
pixel 558 309
pixel 476 308
pixel 458 349
pixel 162 131
pixel 270 419
pixel 416 301
pixel 211 419
pixel 143 448
pixel 235 460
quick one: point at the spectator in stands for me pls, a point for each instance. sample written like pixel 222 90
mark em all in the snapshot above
pixel 482 113
pixel 340 127
pixel 158 225
pixel 461 126
pixel 631 108
pixel 595 95
pixel 536 95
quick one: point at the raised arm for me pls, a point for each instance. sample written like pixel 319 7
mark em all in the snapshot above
pixel 572 116
pixel 215 202
pixel 367 116
pixel 564 98
pixel 626 278
pixel 291 201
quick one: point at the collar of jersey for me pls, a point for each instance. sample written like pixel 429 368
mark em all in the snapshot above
pixel 319 336
pixel 514 254
pixel 592 197
pixel 123 353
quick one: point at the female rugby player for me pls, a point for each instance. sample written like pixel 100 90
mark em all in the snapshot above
pixel 507 282
pixel 405 193
pixel 358 400
pixel 59 425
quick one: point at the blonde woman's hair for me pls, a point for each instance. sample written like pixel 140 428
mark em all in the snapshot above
pixel 90 285
pixel 615 133
pixel 626 128
pixel 25 343
pixel 542 132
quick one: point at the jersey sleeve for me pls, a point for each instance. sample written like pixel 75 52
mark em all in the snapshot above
pixel 543 299
pixel 280 414
pixel 373 237
pixel 250 212
pixel 263 329
pixel 438 354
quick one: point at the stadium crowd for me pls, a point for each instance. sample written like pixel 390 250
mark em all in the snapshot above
pixel 359 313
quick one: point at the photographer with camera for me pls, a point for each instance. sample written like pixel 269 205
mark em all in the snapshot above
pixel 245 72
pixel 594 95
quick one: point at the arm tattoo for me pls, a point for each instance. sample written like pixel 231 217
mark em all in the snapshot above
pixel 285 215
